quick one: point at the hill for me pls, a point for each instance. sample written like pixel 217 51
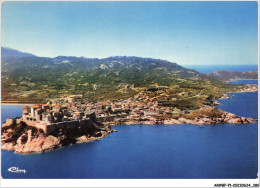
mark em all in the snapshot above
pixel 228 75
pixel 30 78
pixel 11 53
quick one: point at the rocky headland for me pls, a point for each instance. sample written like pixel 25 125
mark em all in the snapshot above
pixel 244 89
pixel 249 88
pixel 24 139
pixel 205 115
pixel 211 115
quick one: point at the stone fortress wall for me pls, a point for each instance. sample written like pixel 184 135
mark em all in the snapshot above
pixel 48 128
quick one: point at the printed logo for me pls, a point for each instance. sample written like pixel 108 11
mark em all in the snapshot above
pixel 16 170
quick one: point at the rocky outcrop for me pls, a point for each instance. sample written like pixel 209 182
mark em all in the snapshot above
pixel 249 88
pixel 24 139
pixel 50 142
pixel 8 146
pixel 205 115
pixel 225 96
pixel 221 117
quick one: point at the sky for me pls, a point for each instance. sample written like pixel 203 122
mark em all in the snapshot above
pixel 188 33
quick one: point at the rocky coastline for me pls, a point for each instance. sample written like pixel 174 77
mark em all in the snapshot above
pixel 24 139
pixel 249 88
pixel 246 88
pixel 209 116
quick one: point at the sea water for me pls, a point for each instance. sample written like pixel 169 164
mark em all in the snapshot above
pixel 244 82
pixel 211 68
pixel 152 151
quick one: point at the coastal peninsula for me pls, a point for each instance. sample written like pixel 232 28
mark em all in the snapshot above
pixel 66 121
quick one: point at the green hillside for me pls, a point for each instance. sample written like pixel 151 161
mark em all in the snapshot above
pixel 35 79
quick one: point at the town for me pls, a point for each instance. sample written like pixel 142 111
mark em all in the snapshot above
pixel 142 108
pixel 67 110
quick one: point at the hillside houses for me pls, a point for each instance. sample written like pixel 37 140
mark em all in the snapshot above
pixel 141 108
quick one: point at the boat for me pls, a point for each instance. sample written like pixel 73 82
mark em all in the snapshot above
pixel 201 126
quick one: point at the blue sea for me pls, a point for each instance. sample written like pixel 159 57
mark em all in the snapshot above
pixel 244 82
pixel 211 68
pixel 225 151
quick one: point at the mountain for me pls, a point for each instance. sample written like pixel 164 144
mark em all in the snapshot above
pixel 11 53
pixel 26 77
pixel 228 75
pixel 118 69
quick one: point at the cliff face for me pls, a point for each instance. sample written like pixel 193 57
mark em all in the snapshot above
pixel 25 139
